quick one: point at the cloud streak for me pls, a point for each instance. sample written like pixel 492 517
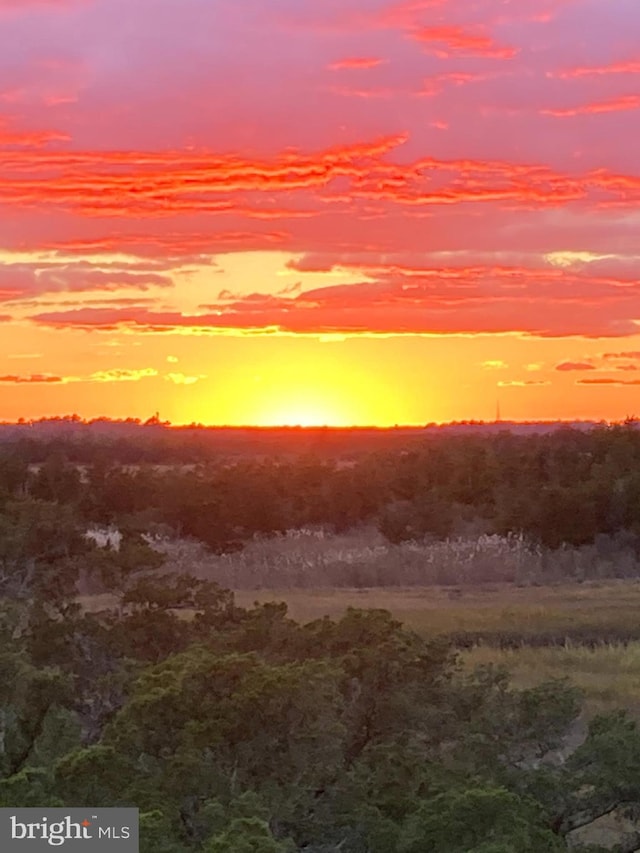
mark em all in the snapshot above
pixel 612 382
pixel 32 379
pixel 455 40
pixel 391 299
pixel 356 63
pixel 377 169
pixel 623 102
pixel 567 366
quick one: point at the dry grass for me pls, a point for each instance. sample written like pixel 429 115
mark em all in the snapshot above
pixel 309 559
pixel 609 676
pixel 434 610
pixel 492 607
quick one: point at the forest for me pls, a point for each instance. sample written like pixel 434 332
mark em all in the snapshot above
pixel 569 486
pixel 235 728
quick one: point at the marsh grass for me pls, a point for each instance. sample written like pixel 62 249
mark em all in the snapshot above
pixel 608 676
pixel 563 609
pixel 362 558
pixel 488 608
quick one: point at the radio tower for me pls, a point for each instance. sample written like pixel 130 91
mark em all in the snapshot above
pixel 498 419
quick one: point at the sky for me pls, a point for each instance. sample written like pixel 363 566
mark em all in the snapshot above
pixel 341 212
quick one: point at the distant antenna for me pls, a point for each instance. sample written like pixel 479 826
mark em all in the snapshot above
pixel 498 419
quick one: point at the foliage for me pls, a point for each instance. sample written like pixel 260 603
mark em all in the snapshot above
pixel 240 729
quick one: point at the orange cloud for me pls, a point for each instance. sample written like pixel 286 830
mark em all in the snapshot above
pixel 180 246
pixel 33 379
pixel 608 382
pixel 458 40
pixel 356 63
pixel 399 300
pixel 150 185
pixel 574 365
pixel 27 138
pixel 100 376
pixel 624 102
pixel 629 67
pixel 352 92
pixel 135 184
pixel 21 280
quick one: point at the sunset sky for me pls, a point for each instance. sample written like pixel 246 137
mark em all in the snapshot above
pixel 320 211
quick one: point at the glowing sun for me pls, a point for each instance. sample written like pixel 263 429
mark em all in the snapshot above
pixel 303 414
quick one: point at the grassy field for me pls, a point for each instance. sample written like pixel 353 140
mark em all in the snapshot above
pixel 608 675
pixel 436 610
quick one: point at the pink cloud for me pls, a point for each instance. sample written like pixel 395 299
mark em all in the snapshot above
pixel 70 279
pixel 458 40
pixel 628 67
pixel 22 280
pixel 356 63
pixel 624 102
pixel 112 145
pixel 179 246
pixel 28 138
pixel 443 300
pixel 137 184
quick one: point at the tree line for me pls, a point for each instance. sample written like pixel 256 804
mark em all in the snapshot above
pixel 569 486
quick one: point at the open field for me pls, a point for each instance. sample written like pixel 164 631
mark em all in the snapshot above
pixel 600 607
pixel 524 612
pixel 608 675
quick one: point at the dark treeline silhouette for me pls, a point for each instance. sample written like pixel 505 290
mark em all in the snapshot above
pixel 568 486
pixel 132 441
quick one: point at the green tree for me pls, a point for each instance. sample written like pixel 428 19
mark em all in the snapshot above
pixel 478 820
pixel 247 835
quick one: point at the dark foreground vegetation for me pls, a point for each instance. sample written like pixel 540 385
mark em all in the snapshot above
pixel 238 730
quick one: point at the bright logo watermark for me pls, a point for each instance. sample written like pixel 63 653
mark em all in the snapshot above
pixel 73 830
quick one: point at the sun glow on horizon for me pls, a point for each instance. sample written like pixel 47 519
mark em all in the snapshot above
pixel 301 383
pixel 303 414
pixel 314 405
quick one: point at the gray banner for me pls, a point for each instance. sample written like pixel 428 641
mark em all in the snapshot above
pixel 73 830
